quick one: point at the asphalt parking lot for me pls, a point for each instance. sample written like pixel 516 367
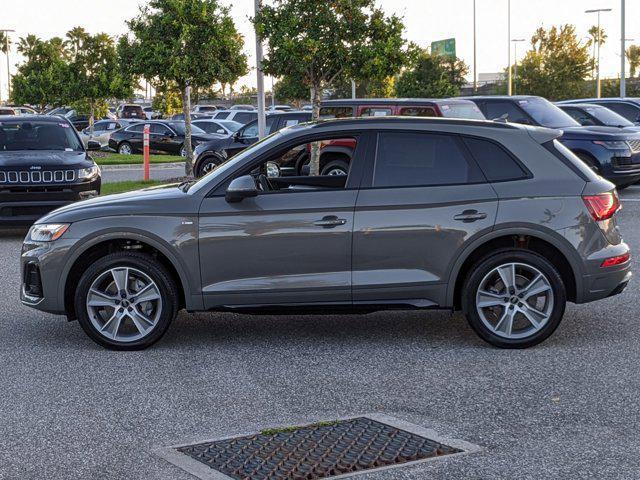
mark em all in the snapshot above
pixel 568 408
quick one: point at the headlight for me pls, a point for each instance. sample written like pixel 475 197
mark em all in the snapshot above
pixel 613 145
pixel 47 232
pixel 88 173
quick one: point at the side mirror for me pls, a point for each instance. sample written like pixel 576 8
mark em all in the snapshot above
pixel 241 188
pixel 273 170
pixel 92 145
pixel 221 130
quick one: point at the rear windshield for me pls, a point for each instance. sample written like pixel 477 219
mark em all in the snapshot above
pixel 15 136
pixel 546 113
pixel 207 109
pixel 131 108
pixel 461 110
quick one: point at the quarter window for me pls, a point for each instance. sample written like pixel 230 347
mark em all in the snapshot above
pixel 418 112
pixel 336 112
pixel 416 159
pixel 496 164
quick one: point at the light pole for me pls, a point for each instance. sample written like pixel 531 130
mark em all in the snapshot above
pixel 515 42
pixel 598 10
pixel 6 39
pixel 262 121
pixel 623 80
pixel 509 47
pixel 475 74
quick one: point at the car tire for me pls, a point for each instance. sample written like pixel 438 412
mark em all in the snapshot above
pixel 125 148
pixel 183 151
pixel 131 323
pixel 207 164
pixel 515 321
pixel 336 167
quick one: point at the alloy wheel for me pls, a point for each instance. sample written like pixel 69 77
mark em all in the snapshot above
pixel 125 149
pixel 515 300
pixel 124 304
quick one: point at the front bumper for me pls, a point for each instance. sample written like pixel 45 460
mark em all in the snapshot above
pixel 24 204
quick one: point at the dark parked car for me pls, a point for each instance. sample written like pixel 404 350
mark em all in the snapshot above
pixel 164 137
pixel 416 224
pixel 590 114
pixel 221 127
pixel 131 110
pixel 210 154
pixel 611 152
pixel 43 165
pixel 628 107
pixel 240 116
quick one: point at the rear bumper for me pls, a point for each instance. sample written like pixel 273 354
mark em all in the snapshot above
pixel 25 205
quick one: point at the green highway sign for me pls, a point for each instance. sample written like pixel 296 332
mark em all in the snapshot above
pixel 446 47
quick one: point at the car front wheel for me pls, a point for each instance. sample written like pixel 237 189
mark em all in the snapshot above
pixel 514 298
pixel 125 148
pixel 126 301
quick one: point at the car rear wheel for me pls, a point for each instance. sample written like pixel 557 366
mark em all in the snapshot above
pixel 126 301
pixel 514 298
pixel 208 164
pixel 125 148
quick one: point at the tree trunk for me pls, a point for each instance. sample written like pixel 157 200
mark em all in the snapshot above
pixel 186 109
pixel 91 119
pixel 314 164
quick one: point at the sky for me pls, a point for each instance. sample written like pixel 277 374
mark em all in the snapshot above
pixel 425 21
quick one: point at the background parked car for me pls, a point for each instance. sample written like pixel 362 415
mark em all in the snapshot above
pixel 281 108
pixel 204 109
pixel 8 111
pixel 164 137
pixel 222 127
pixel 24 110
pixel 102 130
pixel 415 107
pixel 243 107
pixel 628 107
pixel 180 116
pixel 210 154
pixel 591 114
pixel 240 116
pixel 613 153
pixel 131 110
pixel 152 114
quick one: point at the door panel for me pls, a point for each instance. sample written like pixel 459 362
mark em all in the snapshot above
pixel 274 249
pixel 406 239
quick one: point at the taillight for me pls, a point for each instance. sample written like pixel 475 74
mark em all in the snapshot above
pixel 602 206
pixel 613 261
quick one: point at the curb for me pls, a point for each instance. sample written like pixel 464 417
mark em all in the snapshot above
pixel 138 166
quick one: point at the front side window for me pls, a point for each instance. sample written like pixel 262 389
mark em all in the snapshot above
pixel 159 129
pixel 336 112
pixel 496 164
pixel 407 159
pixel 546 113
pixel 221 115
pixel 251 130
pixel 245 117
pixel 15 136
pixel 507 111
pixel 139 128
pixel 629 112
pixel 608 117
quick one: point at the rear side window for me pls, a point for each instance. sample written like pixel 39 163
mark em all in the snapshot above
pixel 245 117
pixel 496 164
pixel 221 115
pixel 415 159
pixel 418 112
pixel 629 112
pixel 375 112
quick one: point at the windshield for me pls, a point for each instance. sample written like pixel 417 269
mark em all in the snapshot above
pixel 179 128
pixel 16 136
pixel 546 114
pixel 608 117
pixel 461 110
pixel 222 169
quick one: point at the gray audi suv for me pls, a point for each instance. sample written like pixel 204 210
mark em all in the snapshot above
pixel 498 220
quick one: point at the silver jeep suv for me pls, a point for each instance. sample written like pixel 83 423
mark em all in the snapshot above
pixel 498 220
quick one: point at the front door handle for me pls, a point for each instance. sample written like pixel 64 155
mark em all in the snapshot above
pixel 469 216
pixel 330 222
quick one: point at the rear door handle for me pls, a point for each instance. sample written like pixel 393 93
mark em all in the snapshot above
pixel 330 222
pixel 469 216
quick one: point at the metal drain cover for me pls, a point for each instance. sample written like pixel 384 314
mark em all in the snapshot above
pixel 321 450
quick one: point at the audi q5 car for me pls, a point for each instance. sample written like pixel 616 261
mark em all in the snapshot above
pixel 500 221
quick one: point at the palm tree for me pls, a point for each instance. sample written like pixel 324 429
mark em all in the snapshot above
pixel 75 38
pixel 597 37
pixel 633 55
pixel 4 42
pixel 27 44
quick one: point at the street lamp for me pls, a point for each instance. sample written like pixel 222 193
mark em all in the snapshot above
pixel 475 74
pixel 598 10
pixel 6 38
pixel 623 79
pixel 262 120
pixel 515 42
pixel 509 47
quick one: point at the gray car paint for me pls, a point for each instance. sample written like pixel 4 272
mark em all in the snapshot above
pixel 403 244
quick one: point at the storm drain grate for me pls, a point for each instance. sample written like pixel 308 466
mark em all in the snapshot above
pixel 316 451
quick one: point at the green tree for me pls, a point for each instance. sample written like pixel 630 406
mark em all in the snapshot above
pixel 633 55
pixel 321 42
pixel 95 74
pixel 42 79
pixel 76 37
pixel 4 41
pixel 167 99
pixel 27 44
pixel 556 65
pixel 432 76
pixel 192 43
pixel 291 90
pixel 598 36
